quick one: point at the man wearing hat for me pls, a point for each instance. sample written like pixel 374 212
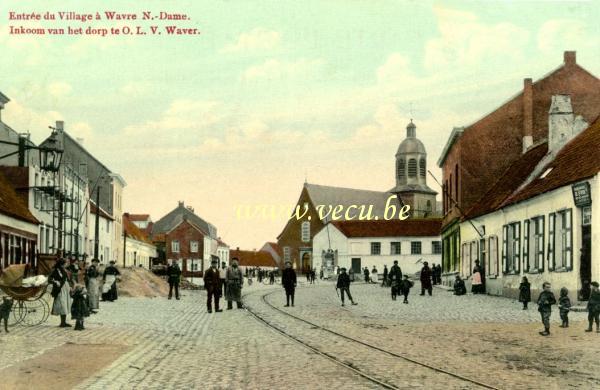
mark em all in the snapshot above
pixel 426 279
pixel 235 281
pixel 288 280
pixel 174 276
pixel 223 275
pixel 343 283
pixel 93 286
pixel 212 285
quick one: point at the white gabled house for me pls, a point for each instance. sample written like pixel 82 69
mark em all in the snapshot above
pixel 542 217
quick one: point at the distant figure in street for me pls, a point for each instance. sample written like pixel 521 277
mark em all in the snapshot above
pixel 439 274
pixel 212 285
pixel 343 284
pixel 173 277
pixel 288 281
pixel 564 306
pixel 109 289
pixel 477 285
pixel 79 308
pixel 321 274
pixel 313 275
pixel 425 279
pixel 350 274
pixel 433 274
pixel 5 307
pixel 385 276
pixel 593 307
pixel 405 286
pixel 235 281
pixel 545 302
pixel 271 277
pixel 374 275
pixel 459 286
pixel 366 274
pixel 395 277
pixel 93 286
pixel 524 292
pixel 222 275
pixel 59 280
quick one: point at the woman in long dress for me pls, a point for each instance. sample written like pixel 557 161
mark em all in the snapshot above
pixel 109 290
pixel 93 286
pixel 61 292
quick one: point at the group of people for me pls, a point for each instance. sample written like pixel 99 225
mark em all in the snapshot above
pixel 227 282
pixel 477 281
pixel 546 300
pixel 77 290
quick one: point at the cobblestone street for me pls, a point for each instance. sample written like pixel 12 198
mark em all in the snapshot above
pixel 176 344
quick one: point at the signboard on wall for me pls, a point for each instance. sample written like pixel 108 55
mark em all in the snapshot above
pixel 581 194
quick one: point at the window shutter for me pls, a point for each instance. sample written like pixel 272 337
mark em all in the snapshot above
pixel 569 260
pixel 504 248
pixel 526 245
pixel 551 240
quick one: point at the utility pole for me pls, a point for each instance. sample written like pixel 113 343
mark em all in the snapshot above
pixel 97 224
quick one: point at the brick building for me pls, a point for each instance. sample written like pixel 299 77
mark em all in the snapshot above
pixel 184 237
pixel 475 156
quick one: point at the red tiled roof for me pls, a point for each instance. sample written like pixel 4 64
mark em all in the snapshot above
pixel 12 205
pixel 103 214
pixel 133 231
pixel 392 228
pixel 139 217
pixel 253 258
pixel 577 160
pixel 275 246
pixel 510 180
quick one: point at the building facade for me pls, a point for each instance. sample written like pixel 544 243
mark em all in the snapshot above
pixel 139 250
pixel 359 244
pixel 476 156
pixel 105 234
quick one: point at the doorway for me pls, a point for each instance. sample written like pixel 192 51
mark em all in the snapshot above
pixel 585 267
pixel 306 266
pixel 356 268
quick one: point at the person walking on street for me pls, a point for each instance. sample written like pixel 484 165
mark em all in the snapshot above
pixel 288 281
pixel 426 279
pixel 212 285
pixel 385 276
pixel 222 275
pixel 235 281
pixel 405 286
pixel 366 274
pixel 174 276
pixel 524 292
pixel 93 286
pixel 59 280
pixel 433 274
pixel 343 284
pixel 593 307
pixel 545 302
pixel 374 275
pixel 395 278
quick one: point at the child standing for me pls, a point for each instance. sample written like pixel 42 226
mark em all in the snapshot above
pixel 405 286
pixel 524 292
pixel 564 306
pixel 593 307
pixel 79 308
pixel 545 302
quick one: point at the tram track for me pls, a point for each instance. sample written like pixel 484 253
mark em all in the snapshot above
pixel 349 366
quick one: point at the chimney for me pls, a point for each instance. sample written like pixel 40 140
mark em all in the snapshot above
pixel 527 114
pixel 570 58
pixel 180 203
pixel 60 126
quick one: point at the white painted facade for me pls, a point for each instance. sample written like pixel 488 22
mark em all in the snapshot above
pixel 223 253
pixel 349 248
pixel 118 185
pixel 501 282
pixel 139 253
pixel 105 238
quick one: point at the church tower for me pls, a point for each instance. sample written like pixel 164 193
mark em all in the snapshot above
pixel 411 176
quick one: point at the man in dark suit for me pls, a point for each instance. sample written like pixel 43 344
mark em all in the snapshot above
pixel 288 280
pixel 174 276
pixel 212 284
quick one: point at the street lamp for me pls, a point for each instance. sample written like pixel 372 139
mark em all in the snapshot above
pixel 51 155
